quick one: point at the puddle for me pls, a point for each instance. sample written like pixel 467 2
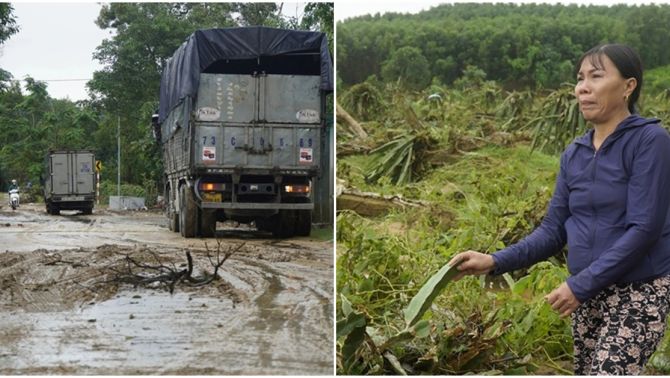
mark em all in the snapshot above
pixel 159 333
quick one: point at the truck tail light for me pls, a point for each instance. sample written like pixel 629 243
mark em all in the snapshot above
pixel 296 188
pixel 212 187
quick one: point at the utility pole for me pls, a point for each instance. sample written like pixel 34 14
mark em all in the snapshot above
pixel 118 155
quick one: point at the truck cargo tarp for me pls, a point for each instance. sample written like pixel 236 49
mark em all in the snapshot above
pixel 203 48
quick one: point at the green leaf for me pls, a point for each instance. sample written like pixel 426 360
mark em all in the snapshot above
pixel 348 325
pixel 350 346
pixel 422 329
pixel 428 292
pixel 346 306
pixel 510 281
pixel 395 364
pixel 402 336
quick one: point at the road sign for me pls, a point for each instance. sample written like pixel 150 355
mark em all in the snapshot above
pixel 98 165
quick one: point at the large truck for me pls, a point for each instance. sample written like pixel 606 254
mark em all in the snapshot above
pixel 240 124
pixel 70 182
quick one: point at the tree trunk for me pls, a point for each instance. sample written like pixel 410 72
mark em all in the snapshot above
pixel 372 204
pixel 354 126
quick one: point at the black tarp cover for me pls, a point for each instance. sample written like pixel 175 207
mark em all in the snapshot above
pixel 181 76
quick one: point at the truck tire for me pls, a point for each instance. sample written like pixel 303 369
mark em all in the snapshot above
pixel 55 209
pixel 88 210
pixel 265 224
pixel 284 226
pixel 48 208
pixel 207 223
pixel 173 221
pixel 303 222
pixel 188 222
pixel 171 213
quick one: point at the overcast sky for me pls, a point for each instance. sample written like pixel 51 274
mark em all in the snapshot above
pixel 56 42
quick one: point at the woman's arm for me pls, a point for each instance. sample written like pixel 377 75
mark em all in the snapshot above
pixel 546 240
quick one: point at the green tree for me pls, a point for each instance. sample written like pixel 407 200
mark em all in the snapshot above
pixel 409 66
pixel 319 17
pixel 520 46
pixel 259 14
pixel 33 123
pixel 8 25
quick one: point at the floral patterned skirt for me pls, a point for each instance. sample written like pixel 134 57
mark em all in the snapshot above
pixel 618 330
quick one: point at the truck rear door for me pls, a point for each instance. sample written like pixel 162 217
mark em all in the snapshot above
pixel 258 121
pixel 60 174
pixel 83 179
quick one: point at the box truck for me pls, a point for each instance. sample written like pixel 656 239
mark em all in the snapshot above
pixel 240 126
pixel 70 182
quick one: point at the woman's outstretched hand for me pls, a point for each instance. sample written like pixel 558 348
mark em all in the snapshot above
pixel 472 263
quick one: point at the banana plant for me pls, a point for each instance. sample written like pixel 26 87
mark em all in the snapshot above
pixel 559 121
pixel 353 327
pixel 402 158
pixel 428 292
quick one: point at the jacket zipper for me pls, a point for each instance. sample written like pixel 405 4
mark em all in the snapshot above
pixel 593 208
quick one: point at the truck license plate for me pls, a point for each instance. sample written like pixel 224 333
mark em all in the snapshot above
pixel 211 197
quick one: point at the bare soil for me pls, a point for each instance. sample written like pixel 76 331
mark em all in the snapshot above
pixel 63 310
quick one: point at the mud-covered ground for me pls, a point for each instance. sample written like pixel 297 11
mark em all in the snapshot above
pixel 68 307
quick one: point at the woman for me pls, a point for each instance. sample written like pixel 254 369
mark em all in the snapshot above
pixel 610 206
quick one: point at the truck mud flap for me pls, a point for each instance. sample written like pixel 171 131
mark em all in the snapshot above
pixel 188 211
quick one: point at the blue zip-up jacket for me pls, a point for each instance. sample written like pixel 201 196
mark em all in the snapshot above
pixel 611 207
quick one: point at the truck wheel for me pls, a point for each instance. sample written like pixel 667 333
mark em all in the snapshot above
pixel 284 226
pixel 303 222
pixel 188 223
pixel 207 223
pixel 170 213
pixel 264 224
pixel 173 221
pixel 48 208
pixel 88 210
pixel 55 210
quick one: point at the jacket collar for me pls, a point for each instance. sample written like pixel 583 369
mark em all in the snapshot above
pixel 631 122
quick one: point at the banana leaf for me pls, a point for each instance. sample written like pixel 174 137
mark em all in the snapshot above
pixel 428 292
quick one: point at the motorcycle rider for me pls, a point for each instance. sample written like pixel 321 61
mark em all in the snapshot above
pixel 14 185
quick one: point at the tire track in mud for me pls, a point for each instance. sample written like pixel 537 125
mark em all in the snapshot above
pixel 286 305
pixel 270 314
pixel 260 335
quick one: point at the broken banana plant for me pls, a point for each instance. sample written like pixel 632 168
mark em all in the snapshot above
pixel 353 326
pixel 428 292
pixel 402 158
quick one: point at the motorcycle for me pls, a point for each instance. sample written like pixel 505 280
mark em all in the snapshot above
pixel 14 198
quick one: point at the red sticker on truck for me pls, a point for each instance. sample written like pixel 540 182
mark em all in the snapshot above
pixel 306 156
pixel 209 154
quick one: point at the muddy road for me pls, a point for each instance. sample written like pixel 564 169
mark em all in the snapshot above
pixel 67 305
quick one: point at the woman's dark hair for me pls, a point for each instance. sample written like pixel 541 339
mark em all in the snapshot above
pixel 626 60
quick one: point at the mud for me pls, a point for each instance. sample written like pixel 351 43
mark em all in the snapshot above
pixel 62 310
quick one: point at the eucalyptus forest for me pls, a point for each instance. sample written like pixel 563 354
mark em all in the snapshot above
pixel 450 127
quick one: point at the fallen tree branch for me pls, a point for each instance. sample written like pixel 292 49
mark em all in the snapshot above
pixel 373 204
pixel 349 121
pixel 170 277
pixel 205 279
